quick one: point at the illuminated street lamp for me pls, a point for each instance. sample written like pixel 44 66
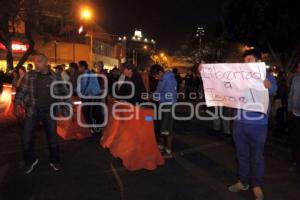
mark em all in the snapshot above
pixel 86 14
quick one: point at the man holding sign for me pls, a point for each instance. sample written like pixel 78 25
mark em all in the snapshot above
pixel 244 87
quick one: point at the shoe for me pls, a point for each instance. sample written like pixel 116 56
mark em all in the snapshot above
pixel 258 193
pixel 30 168
pixel 165 133
pixel 55 166
pixel 161 148
pixel 168 154
pixel 239 186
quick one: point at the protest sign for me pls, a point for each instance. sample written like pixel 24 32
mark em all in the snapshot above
pixel 236 85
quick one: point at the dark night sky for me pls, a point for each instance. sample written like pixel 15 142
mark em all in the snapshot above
pixel 169 22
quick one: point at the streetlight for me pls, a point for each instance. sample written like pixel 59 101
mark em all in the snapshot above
pixel 86 15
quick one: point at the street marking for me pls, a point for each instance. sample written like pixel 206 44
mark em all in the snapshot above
pixel 199 148
pixel 181 153
pixel 119 181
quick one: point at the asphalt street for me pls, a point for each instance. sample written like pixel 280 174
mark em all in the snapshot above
pixel 203 167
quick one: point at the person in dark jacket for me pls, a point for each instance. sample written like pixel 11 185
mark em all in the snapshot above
pixel 35 96
pixel 133 76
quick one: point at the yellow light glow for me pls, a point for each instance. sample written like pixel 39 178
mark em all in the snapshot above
pixel 6 95
pixel 86 14
pixel 145 47
pixel 162 55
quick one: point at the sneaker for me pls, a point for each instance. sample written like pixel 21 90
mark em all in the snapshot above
pixel 239 186
pixel 168 154
pixel 258 193
pixel 161 148
pixel 30 168
pixel 55 166
pixel 165 133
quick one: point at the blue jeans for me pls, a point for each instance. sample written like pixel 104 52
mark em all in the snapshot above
pixel 250 140
pixel 29 135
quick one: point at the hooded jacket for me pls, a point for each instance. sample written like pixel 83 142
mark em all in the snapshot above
pixel 166 90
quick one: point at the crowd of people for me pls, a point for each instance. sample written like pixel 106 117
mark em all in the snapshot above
pixel 33 94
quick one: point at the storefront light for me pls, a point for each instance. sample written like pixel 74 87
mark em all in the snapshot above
pixel 17 47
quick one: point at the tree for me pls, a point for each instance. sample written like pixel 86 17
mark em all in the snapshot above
pixel 13 14
pixel 270 25
pixel 29 14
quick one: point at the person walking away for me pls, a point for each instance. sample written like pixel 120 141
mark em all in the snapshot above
pixel 166 95
pixel 89 87
pixel 35 95
pixel 249 137
pixel 294 113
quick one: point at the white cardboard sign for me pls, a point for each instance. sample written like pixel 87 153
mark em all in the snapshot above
pixel 236 85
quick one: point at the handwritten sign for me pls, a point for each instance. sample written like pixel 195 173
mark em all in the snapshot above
pixel 236 85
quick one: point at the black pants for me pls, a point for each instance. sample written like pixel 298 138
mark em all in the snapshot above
pixel 93 114
pixel 29 135
pixel 295 133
